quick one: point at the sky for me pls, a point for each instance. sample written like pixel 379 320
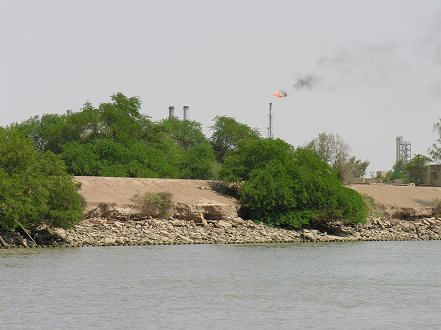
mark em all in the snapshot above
pixel 375 66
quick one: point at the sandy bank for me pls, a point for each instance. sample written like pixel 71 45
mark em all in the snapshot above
pixel 401 196
pixel 191 198
pixel 203 216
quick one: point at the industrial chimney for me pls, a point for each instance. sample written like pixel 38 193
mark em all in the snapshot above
pixel 68 112
pixel 186 107
pixel 171 111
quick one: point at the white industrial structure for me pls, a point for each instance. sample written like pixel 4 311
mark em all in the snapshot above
pixel 403 150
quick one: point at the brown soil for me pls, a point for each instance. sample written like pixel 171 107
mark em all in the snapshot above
pixel 401 196
pixel 121 191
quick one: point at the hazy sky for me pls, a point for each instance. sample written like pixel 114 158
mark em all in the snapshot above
pixel 376 64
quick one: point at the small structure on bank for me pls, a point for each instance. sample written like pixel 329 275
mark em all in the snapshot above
pixel 435 175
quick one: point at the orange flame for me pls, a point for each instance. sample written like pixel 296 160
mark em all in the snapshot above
pixel 280 94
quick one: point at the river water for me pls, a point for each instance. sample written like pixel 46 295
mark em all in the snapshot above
pixel 363 285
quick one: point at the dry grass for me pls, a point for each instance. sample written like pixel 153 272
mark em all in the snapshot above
pixel 155 204
pixel 106 210
pixel 436 212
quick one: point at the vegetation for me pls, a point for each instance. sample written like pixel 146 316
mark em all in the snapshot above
pixel 437 209
pixel 155 204
pixel 334 151
pixel 34 186
pixel 275 183
pixel 286 187
pixel 115 139
pixel 227 133
pixel 397 172
pixel 372 207
pixel 416 170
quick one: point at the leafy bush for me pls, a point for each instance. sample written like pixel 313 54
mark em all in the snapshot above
pixel 373 209
pixel 417 169
pixel 252 154
pixel 332 149
pixel 155 204
pixel 34 186
pixel 115 139
pixel 291 188
pixel 227 133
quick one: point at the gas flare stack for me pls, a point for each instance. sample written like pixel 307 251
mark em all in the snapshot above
pixel 270 124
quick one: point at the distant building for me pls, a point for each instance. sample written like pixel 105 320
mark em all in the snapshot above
pixel 381 174
pixel 435 175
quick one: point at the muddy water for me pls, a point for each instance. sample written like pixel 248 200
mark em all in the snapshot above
pixel 367 285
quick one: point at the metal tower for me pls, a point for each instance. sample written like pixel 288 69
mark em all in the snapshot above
pixel 403 150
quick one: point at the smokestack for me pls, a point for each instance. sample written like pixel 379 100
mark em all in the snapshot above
pixel 186 107
pixel 171 111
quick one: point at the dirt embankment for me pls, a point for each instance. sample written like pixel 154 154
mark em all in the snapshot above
pixel 402 201
pixel 202 215
pixel 191 198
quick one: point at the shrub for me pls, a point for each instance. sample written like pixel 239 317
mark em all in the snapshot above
pixel 417 169
pixel 373 209
pixel 115 139
pixel 34 186
pixel 107 209
pixel 290 188
pixel 155 204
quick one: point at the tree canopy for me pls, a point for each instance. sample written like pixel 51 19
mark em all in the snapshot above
pixel 333 150
pixel 287 187
pixel 417 169
pixel 278 184
pixel 227 133
pixel 115 139
pixel 34 186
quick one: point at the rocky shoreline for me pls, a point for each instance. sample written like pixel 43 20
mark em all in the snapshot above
pixel 201 214
pixel 124 230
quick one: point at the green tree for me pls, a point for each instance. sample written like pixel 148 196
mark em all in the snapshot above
pixel 417 169
pixel 227 133
pixel 34 186
pixel 48 132
pixel 198 162
pixel 333 150
pixel 397 172
pixel 120 118
pixel 351 168
pixel 287 187
pixel 81 159
pixel 184 133
pixel 252 154
pixel 115 139
pixel 330 148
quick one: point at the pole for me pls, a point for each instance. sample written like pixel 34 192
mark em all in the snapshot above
pixel 270 128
